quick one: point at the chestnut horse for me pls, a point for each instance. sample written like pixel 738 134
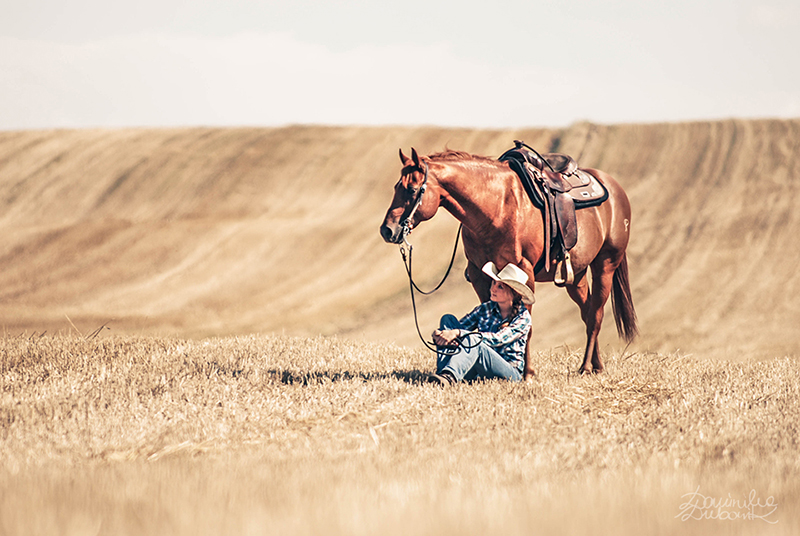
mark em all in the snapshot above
pixel 501 224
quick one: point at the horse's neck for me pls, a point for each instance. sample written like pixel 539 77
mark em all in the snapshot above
pixel 473 192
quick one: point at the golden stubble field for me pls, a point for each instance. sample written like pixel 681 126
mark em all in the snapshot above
pixel 280 435
pixel 204 334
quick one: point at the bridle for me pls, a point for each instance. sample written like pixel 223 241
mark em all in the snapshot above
pixel 405 223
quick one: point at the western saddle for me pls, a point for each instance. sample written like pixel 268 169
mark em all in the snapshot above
pixel 557 187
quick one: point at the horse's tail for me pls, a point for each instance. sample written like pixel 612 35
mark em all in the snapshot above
pixel 622 302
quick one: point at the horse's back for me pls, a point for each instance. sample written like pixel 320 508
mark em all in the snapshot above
pixel 616 194
pixel 616 211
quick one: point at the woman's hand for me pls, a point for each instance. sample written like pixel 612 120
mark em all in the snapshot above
pixel 445 338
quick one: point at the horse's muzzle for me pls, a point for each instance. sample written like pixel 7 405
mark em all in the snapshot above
pixel 392 236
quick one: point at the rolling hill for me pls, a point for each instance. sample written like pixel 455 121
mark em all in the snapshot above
pixel 207 231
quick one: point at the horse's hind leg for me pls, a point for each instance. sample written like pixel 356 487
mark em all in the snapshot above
pixel 602 279
pixel 579 292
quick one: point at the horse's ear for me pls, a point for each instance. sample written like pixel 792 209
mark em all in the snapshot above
pixel 403 158
pixel 415 157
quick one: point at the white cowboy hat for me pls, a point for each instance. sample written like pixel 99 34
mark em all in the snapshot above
pixel 513 276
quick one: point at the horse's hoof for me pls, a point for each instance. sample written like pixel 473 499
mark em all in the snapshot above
pixel 529 377
pixel 598 371
pixel 583 371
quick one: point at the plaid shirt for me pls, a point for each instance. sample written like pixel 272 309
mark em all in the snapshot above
pixel 506 336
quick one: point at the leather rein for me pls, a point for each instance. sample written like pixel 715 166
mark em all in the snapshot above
pixel 407 262
pixel 412 286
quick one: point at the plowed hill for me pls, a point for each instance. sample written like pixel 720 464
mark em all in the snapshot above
pixel 198 232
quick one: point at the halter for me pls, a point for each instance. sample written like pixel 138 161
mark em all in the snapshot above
pixel 405 224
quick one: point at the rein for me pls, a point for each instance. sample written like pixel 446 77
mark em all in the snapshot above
pixel 412 286
pixel 407 262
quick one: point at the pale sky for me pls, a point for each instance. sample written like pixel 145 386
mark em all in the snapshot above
pixel 102 63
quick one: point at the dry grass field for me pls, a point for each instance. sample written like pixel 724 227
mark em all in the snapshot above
pixel 280 435
pixel 203 333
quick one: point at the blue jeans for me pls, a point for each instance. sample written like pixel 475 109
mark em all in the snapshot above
pixel 473 359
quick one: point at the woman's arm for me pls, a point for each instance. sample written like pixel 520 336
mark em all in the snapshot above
pixel 445 337
pixel 470 320
pixel 448 337
pixel 517 328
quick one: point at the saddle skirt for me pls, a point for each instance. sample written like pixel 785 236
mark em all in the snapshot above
pixel 586 189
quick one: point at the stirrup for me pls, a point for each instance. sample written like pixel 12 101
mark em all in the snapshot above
pixel 559 280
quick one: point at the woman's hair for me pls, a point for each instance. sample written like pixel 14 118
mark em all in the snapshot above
pixel 516 308
pixel 517 304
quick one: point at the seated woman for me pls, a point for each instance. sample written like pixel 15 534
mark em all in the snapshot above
pixel 489 342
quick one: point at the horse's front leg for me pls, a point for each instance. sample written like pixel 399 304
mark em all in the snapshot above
pixel 529 373
pixel 481 283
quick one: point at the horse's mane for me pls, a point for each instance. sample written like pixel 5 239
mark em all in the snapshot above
pixel 449 154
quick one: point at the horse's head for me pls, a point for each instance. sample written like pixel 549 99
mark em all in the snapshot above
pixel 416 198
